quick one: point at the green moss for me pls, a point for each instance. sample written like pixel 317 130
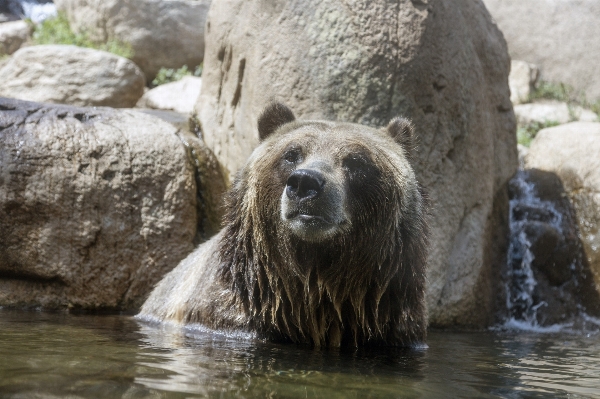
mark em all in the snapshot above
pixel 595 106
pixel 58 31
pixel 168 75
pixel 565 93
pixel 526 133
pixel 552 91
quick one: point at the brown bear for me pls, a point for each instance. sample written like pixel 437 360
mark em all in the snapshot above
pixel 324 241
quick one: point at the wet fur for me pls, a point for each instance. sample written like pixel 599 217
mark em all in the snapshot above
pixel 363 287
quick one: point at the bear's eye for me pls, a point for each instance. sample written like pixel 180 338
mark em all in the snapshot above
pixel 292 156
pixel 355 163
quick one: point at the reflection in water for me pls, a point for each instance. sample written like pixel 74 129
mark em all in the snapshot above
pixel 45 355
pixel 208 364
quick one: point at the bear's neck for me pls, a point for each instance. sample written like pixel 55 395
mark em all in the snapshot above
pixel 324 295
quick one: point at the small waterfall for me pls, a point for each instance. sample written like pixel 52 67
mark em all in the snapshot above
pixel 525 206
pixel 548 282
pixel 35 10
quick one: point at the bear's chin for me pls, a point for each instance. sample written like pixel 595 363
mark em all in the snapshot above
pixel 312 228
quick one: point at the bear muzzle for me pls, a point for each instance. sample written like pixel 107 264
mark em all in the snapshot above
pixel 313 205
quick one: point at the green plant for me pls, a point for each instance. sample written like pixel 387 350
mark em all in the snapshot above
pixel 595 106
pixel 168 75
pixel 552 91
pixel 58 31
pixel 565 93
pixel 526 133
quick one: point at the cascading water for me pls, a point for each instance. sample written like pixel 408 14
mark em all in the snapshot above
pixel 35 10
pixel 548 282
pixel 524 206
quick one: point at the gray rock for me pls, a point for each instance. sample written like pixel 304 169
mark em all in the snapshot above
pixel 162 33
pixel 96 204
pixel 543 112
pixel 560 36
pixel 523 151
pixel 179 96
pixel 572 151
pixel 444 66
pixel 584 115
pixel 71 75
pixel 13 35
pixel 521 80
pixel 552 111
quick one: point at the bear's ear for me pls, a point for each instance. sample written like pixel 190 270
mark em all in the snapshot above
pixel 273 116
pixel 403 132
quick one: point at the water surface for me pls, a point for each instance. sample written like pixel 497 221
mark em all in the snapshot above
pixel 60 355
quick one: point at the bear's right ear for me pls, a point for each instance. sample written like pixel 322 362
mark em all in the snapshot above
pixel 274 116
pixel 403 132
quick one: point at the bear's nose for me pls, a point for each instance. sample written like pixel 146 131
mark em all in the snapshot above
pixel 304 184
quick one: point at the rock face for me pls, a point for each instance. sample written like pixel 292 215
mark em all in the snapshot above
pixel 444 66
pixel 177 96
pixel 95 204
pixel 521 80
pixel 560 36
pixel 12 36
pixel 572 151
pixel 71 75
pixel 162 33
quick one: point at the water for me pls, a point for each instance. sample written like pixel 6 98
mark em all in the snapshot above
pixel 35 10
pixel 549 285
pixel 60 355
pixel 520 287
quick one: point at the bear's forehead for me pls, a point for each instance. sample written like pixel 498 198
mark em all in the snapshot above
pixel 330 136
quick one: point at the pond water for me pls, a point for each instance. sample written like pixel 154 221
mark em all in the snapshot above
pixel 61 355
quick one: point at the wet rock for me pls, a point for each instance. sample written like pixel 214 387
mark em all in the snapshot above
pixel 71 75
pixel 166 34
pixel 572 152
pixel 561 37
pixel 545 240
pixel 96 204
pixel 12 36
pixel 446 67
pixel 521 80
pixel 177 96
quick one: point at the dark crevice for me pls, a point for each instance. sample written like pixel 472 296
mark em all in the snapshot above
pixel 29 277
pixel 108 175
pixel 200 201
pixel 238 90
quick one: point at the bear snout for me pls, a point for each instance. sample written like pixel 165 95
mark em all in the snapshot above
pixel 304 184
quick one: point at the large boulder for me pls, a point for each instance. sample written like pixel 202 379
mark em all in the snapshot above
pixel 572 151
pixel 71 75
pixel 96 204
pixel 161 33
pixel 443 65
pixel 12 36
pixel 560 36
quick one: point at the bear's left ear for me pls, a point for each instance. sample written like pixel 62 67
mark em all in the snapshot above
pixel 403 132
pixel 273 116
